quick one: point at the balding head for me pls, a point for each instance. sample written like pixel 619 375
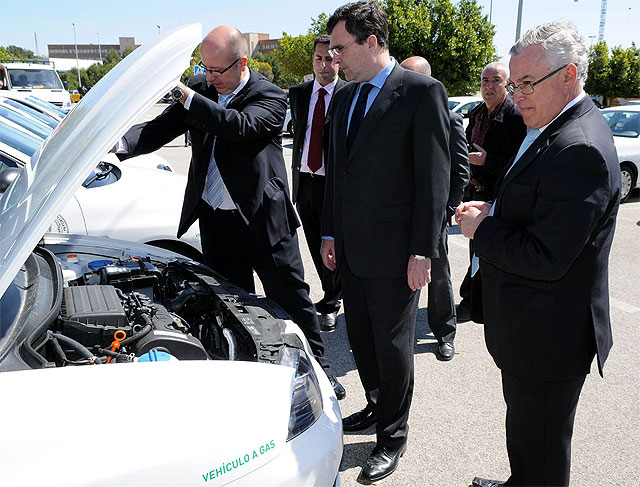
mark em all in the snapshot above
pixel 417 64
pixel 224 47
pixel 228 39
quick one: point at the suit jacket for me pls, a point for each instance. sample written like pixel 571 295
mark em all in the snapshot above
pixel 299 97
pixel 385 200
pixel 544 254
pixel 459 163
pixel 248 152
pixel 501 142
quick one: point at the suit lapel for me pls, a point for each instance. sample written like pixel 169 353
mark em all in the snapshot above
pixel 340 118
pixel 303 114
pixel 381 105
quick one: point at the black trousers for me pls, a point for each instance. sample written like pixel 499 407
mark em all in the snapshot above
pixel 380 316
pixel 309 205
pixel 441 310
pixel 540 416
pixel 229 247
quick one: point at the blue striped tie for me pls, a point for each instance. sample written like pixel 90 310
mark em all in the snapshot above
pixel 213 185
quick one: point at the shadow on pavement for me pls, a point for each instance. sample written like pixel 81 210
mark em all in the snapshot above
pixel 355 454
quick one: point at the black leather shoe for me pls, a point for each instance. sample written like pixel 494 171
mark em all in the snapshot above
pixel 478 482
pixel 382 462
pixel 337 387
pixel 463 313
pixel 445 351
pixel 328 322
pixel 360 421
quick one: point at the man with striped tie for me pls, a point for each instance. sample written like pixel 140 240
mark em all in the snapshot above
pixel 237 186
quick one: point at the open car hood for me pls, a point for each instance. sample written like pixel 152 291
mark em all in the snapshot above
pixel 65 159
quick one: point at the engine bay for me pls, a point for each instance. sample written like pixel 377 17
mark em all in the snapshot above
pixel 133 308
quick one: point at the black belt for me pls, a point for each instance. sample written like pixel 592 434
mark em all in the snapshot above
pixel 311 175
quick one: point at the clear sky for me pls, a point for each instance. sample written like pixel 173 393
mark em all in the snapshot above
pixel 51 20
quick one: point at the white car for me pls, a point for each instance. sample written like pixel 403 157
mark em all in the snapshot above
pixel 147 369
pixel 624 122
pixel 112 199
pixel 462 105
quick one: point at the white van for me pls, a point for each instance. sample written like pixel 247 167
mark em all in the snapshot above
pixel 33 77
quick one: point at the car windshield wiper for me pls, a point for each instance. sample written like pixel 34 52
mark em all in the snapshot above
pixel 106 169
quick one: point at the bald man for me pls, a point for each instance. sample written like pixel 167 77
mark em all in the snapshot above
pixel 237 186
pixel 441 305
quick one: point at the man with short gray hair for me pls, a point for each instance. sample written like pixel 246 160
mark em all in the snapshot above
pixel 544 248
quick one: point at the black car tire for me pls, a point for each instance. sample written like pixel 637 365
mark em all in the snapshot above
pixel 629 178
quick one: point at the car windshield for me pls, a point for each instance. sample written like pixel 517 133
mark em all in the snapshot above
pixel 46 105
pixel 49 120
pixel 34 78
pixel 453 104
pixel 39 129
pixel 21 141
pixel 623 123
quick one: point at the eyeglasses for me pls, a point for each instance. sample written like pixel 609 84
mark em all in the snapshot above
pixel 219 72
pixel 526 88
pixel 337 51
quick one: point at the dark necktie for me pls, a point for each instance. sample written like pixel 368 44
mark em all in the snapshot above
pixel 358 114
pixel 314 158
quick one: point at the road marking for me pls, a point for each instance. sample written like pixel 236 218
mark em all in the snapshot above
pixel 622 306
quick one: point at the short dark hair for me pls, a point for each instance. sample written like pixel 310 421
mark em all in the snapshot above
pixel 362 19
pixel 323 39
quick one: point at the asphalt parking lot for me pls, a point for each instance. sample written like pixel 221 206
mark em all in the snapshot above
pixel 457 416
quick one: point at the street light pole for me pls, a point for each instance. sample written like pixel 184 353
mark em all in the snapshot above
pixel 519 20
pixel 99 48
pixel 75 43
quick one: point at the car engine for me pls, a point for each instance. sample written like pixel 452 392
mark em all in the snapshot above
pixel 135 309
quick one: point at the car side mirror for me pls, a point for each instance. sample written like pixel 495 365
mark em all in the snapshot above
pixel 66 85
pixel 7 176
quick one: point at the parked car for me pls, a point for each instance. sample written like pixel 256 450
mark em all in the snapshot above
pixel 288 123
pixel 624 122
pixel 105 342
pixel 463 105
pixel 111 200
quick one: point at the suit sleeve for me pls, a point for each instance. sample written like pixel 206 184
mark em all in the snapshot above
pixel 432 169
pixel 326 222
pixel 568 203
pixel 459 163
pixel 262 116
pixel 150 136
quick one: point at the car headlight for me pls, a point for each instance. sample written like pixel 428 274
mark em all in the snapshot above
pixel 306 400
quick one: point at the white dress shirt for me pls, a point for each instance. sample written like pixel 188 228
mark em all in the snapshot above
pixel 304 167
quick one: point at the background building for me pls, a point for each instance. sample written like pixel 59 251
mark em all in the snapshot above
pixel 64 55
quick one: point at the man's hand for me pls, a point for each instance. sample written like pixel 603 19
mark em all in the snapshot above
pixel 328 253
pixel 186 91
pixel 478 158
pixel 470 214
pixel 418 273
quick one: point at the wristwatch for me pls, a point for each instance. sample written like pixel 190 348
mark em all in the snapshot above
pixel 177 92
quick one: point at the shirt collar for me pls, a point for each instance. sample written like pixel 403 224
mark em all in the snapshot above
pixel 379 79
pixel 566 107
pixel 328 88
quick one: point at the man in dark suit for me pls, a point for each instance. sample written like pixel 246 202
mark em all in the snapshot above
pixel 385 201
pixel 308 110
pixel 544 249
pixel 441 310
pixel 494 134
pixel 237 185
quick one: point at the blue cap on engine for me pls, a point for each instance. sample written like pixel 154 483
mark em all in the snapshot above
pixel 94 265
pixel 154 355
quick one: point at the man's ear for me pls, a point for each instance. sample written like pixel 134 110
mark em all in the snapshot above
pixel 372 41
pixel 571 74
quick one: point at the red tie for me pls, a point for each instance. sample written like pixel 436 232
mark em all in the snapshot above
pixel 314 159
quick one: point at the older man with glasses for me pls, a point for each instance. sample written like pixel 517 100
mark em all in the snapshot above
pixel 544 249
pixel 237 186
